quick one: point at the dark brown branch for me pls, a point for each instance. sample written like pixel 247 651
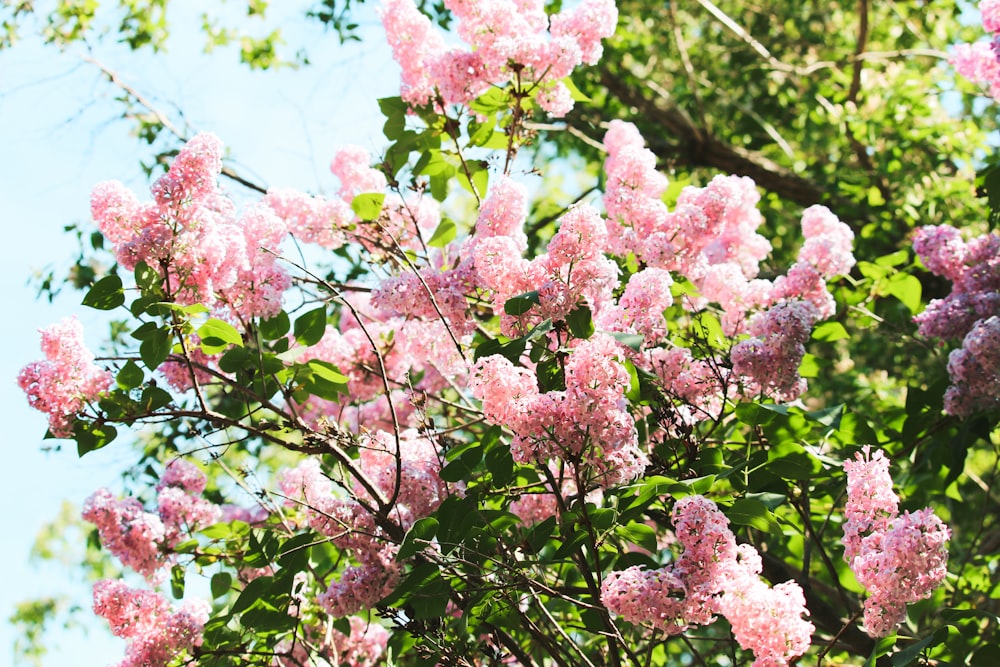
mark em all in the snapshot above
pixel 684 142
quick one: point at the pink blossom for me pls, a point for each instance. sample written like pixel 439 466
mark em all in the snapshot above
pixel 942 250
pixel 871 502
pixel 311 219
pixel 128 531
pixel 361 586
pixel 504 211
pixel 641 306
pixel 192 235
pixel 587 23
pixel 978 63
pixel 828 242
pixel 66 380
pixel 990 11
pixel 508 41
pixel 156 632
pixel 974 370
pixel 900 559
pixel 414 43
pixel 765 620
pixel 973 268
pixel 769 362
pixel 351 164
pixel 713 576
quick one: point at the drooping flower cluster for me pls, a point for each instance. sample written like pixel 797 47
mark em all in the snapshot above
pixel 66 380
pixel 713 575
pixel 587 421
pixel 508 41
pixel 974 369
pixel 191 234
pixel 769 361
pixel 156 632
pixel 898 558
pixel 971 312
pixel 710 238
pixel 141 539
pixel 973 268
pixel 979 62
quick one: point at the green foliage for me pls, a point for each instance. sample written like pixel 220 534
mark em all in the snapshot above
pixel 820 104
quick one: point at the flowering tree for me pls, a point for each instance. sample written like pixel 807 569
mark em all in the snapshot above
pixel 481 436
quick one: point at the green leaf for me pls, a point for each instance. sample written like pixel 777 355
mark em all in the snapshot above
pixel 147 279
pixel 154 398
pixel 907 289
pixel 575 93
pixel 368 205
pixel 217 335
pixel 106 294
pixel 500 463
pixel 417 537
pixel 829 417
pixel 310 327
pixel 130 376
pixel 90 437
pixel 234 359
pixel 634 391
pixel 221 584
pixel 520 304
pixel 253 592
pixel 155 348
pixel 493 100
pixel 639 534
pixel 177 582
pixel 324 380
pixel 481 132
pixel 882 646
pixel 912 651
pixel 759 414
pixel 443 235
pixel 752 512
pixel 275 327
pixel 632 341
pixel 830 331
pixel 580 322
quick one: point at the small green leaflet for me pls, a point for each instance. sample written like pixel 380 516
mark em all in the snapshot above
pixel 368 205
pixel 217 335
pixel 106 294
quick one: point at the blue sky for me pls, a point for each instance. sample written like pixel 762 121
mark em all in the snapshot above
pixel 59 135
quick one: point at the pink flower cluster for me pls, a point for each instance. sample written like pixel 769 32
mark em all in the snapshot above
pixel 331 222
pixel 713 576
pixel 192 235
pixel 710 238
pixel 973 268
pixel 640 307
pixel 410 347
pixel 974 370
pixel 350 527
pixel 969 312
pixel 157 633
pixel 179 502
pixel 588 422
pixel 141 539
pixel 508 41
pixel 574 270
pixel 769 362
pixel 899 558
pixel 979 62
pixel 66 380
